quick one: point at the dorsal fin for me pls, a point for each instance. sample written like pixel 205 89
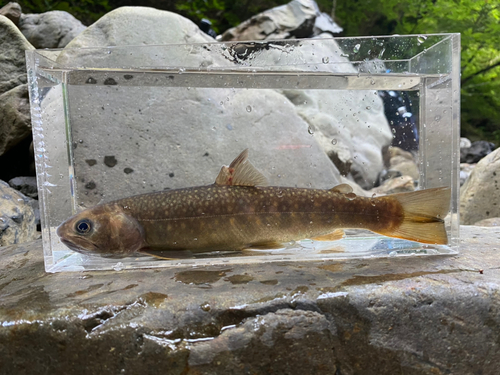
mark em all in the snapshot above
pixel 342 189
pixel 240 172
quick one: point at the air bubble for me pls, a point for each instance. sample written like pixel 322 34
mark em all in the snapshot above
pixel 249 108
pixel 356 48
pixel 421 39
pixel 325 60
pixel 368 107
pixel 310 130
pixel 334 141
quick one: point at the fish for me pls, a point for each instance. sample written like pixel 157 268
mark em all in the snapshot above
pixel 239 211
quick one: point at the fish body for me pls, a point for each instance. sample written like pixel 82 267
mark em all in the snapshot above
pixel 235 213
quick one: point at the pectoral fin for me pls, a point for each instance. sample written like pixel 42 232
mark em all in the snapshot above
pixel 336 235
pixel 240 172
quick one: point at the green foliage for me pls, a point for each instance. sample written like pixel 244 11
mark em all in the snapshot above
pixel 478 23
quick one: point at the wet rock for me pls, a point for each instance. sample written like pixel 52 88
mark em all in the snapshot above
pixel 358 316
pixel 12 60
pixel 26 185
pixel 480 195
pixel 17 218
pixel 12 11
pixel 476 151
pixel 15 118
pixel 54 29
pixel 293 20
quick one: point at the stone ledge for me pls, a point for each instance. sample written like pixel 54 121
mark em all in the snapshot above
pixel 417 315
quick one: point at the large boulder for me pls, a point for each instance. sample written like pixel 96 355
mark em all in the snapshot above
pixel 15 120
pixel 17 217
pixel 12 11
pixel 139 26
pixel 54 29
pixel 12 60
pixel 143 137
pixel 480 195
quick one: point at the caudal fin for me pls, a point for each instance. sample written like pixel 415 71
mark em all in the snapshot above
pixel 424 211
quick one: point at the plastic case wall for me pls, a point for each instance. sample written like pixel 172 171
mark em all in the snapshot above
pixel 118 121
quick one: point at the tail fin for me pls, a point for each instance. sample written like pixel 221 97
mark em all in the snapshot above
pixel 424 211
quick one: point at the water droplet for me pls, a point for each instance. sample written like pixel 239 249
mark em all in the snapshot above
pixel 325 60
pixel 310 130
pixel 334 141
pixel 421 39
pixel 368 107
pixel 249 108
pixel 356 48
pixel 118 266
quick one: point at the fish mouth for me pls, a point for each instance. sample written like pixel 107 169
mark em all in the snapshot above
pixel 79 248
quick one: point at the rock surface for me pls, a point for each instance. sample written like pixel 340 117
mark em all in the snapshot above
pixel 179 136
pixel 416 315
pixel 12 11
pixel 293 20
pixel 480 195
pixel 12 60
pixel 26 185
pixel 17 217
pixel 476 151
pixel 54 29
pixel 15 118
pixel 139 26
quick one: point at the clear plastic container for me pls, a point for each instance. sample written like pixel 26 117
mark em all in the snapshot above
pixel 113 122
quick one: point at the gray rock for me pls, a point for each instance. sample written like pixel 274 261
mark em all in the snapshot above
pixel 26 185
pixel 480 195
pixel 465 171
pixel 12 11
pixel 476 151
pixel 465 142
pixel 393 185
pixel 161 143
pixel 15 119
pixel 17 218
pixel 12 60
pixel 491 222
pixel 293 20
pixel 54 29
pixel 325 24
pixel 358 316
pixel 139 26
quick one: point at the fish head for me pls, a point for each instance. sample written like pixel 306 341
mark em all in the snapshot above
pixel 106 230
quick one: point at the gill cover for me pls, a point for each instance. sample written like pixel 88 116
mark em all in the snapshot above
pixel 105 230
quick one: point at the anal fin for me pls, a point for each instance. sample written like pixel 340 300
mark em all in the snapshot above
pixel 168 254
pixel 336 235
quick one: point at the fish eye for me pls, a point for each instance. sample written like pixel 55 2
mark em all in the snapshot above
pixel 83 226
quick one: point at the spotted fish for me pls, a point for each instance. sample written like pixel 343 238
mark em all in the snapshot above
pixel 239 211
